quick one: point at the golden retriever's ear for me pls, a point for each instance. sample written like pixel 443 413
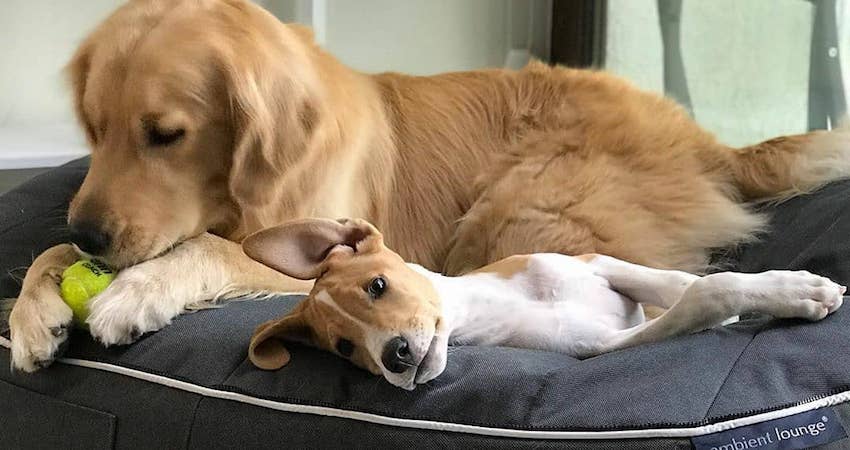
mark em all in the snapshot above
pixel 299 248
pixel 273 116
pixel 267 351
pixel 77 72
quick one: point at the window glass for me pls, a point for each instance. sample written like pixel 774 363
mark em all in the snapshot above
pixel 746 70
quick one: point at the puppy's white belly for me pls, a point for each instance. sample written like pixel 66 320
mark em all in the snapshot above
pixel 579 294
pixel 557 304
pixel 576 326
pixel 599 304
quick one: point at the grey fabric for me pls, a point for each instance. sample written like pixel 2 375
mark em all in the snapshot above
pixel 306 432
pixel 31 420
pixel 807 232
pixel 147 416
pixel 690 380
pixel 756 365
pixel 32 219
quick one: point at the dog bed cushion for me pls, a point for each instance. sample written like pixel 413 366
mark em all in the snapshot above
pixel 191 385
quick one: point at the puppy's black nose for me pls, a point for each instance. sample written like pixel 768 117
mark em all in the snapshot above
pixel 396 356
pixel 90 238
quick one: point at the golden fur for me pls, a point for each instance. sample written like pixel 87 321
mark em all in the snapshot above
pixel 458 170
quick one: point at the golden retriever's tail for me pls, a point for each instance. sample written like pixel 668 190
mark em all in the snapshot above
pixel 791 165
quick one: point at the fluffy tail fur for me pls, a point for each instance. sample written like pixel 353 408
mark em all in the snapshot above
pixel 791 165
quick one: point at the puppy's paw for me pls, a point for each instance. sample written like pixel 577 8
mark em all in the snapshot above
pixel 134 304
pixel 805 295
pixel 39 329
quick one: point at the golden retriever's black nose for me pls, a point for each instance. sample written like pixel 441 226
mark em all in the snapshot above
pixel 396 356
pixel 90 238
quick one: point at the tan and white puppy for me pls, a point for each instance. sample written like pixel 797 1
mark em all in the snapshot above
pixel 397 319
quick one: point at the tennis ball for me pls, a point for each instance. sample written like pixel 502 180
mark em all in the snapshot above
pixel 80 282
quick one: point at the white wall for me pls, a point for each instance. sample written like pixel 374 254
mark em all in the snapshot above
pixel 412 36
pixel 419 37
pixel 38 38
pixel 425 37
pixel 285 10
pixel 746 62
pixel 416 36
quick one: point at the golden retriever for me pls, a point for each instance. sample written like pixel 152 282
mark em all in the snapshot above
pixel 210 119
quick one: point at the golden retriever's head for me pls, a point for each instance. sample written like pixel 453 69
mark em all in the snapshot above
pixel 367 304
pixel 192 109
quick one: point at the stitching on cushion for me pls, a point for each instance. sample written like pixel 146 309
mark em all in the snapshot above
pixel 193 421
pixel 728 374
pixel 227 377
pixel 821 235
pixel 534 404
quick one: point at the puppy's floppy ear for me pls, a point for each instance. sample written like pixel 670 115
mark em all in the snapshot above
pixel 267 350
pixel 299 248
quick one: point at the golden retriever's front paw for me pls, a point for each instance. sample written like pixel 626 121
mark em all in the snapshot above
pixel 134 304
pixel 39 329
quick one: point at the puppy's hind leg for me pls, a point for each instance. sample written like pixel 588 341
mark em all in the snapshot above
pixel 662 288
pixel 710 300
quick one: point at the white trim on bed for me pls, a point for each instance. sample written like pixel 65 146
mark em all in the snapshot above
pixel 452 427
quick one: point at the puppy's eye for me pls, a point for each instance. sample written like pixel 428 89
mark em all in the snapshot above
pixel 157 137
pixel 376 287
pixel 344 347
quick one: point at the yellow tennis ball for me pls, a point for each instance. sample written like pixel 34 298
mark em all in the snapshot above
pixel 80 282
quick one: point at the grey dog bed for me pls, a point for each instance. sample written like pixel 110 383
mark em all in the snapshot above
pixel 191 386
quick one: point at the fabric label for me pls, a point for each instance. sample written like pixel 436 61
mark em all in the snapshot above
pixel 803 430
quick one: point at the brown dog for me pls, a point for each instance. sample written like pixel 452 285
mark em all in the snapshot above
pixel 212 116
